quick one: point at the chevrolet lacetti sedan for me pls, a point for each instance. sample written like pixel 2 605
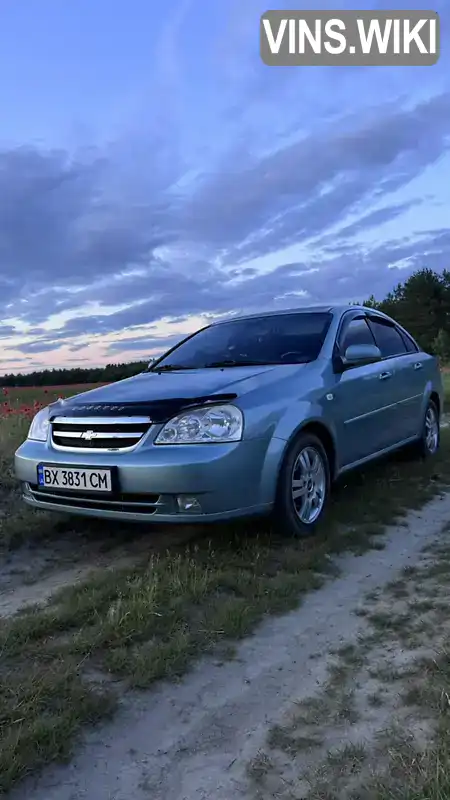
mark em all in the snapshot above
pixel 247 416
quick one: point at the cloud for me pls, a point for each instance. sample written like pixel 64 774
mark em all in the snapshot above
pixel 371 220
pixel 144 344
pixel 37 347
pixel 174 220
pixel 6 331
pixel 352 274
pixel 301 189
pixel 56 219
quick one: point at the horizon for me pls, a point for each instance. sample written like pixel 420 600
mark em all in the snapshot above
pixel 50 369
pixel 147 195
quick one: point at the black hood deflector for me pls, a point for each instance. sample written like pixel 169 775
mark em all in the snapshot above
pixel 157 410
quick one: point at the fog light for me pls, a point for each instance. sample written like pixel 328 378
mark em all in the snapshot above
pixel 189 505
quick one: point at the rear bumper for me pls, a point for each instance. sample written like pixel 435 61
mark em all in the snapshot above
pixel 227 481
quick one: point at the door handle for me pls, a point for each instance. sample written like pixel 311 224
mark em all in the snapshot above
pixel 385 375
pixel 418 365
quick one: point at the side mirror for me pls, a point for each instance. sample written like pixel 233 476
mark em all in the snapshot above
pixel 359 354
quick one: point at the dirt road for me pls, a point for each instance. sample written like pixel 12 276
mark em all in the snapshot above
pixel 197 739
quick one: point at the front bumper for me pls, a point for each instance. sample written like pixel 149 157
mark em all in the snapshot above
pixel 228 481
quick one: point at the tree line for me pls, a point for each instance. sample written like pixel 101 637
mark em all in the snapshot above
pixel 75 375
pixel 421 304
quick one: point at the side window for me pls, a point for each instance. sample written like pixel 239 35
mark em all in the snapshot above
pixel 388 338
pixel 356 332
pixel 410 346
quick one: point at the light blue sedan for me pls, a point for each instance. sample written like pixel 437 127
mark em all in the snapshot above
pixel 248 416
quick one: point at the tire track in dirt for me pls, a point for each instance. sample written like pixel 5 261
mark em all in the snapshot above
pixel 194 740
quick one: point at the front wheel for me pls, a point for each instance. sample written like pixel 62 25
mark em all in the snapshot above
pixel 304 486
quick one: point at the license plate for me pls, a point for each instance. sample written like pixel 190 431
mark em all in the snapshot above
pixel 76 478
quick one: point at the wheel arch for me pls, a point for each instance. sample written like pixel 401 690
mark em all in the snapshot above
pixel 323 433
pixel 434 396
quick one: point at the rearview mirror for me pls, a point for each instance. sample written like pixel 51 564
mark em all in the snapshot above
pixel 359 354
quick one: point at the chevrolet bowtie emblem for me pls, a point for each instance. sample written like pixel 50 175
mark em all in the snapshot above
pixel 88 435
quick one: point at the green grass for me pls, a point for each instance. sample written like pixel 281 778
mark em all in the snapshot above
pixel 22 526
pixel 446 382
pixel 408 758
pixel 403 767
pixel 43 706
pixel 421 774
pixel 26 395
pixel 424 774
pixel 143 624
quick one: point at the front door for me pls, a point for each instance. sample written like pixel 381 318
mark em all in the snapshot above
pixel 363 407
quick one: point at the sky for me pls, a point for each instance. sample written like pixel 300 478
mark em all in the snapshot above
pixel 156 175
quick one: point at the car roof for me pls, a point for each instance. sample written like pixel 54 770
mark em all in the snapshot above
pixel 324 309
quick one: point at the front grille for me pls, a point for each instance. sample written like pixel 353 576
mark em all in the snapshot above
pixel 98 434
pixel 121 501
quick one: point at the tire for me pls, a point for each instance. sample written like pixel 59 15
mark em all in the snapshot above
pixel 430 437
pixel 305 461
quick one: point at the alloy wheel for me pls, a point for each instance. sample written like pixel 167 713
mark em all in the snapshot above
pixel 308 485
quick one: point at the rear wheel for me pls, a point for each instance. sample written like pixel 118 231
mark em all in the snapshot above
pixel 429 441
pixel 304 486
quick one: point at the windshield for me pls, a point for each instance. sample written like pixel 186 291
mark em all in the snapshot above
pixel 279 339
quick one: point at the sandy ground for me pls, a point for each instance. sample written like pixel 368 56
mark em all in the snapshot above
pixel 40 590
pixel 31 576
pixel 195 740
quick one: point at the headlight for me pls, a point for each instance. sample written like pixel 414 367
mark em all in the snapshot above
pixel 39 427
pixel 202 425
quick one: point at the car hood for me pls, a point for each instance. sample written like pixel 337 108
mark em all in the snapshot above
pixel 163 394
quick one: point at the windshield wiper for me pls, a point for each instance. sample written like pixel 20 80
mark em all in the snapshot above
pixel 170 368
pixel 224 363
pixel 231 362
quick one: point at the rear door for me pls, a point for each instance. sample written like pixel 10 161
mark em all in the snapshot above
pixel 363 409
pixel 408 385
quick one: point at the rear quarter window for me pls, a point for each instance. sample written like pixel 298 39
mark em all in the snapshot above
pixel 409 344
pixel 387 338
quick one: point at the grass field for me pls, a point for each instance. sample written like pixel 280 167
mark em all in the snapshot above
pixel 47 394
pixel 27 395
pixel 17 397
pixel 446 381
pixel 151 621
